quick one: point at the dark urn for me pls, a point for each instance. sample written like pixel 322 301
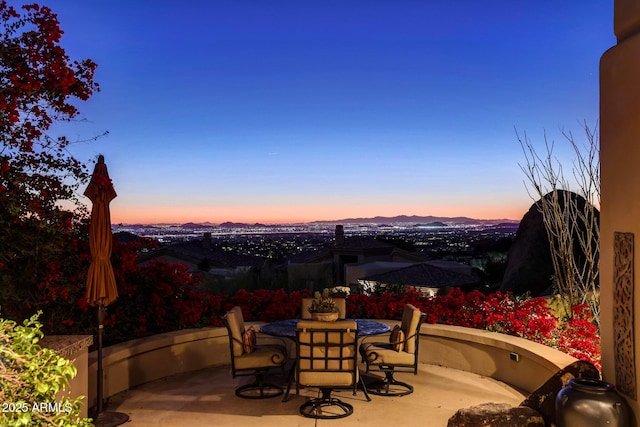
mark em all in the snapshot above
pixel 587 402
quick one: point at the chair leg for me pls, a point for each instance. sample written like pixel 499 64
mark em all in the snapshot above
pixel 287 394
pixel 364 389
pixel 259 389
pixel 326 407
pixel 389 386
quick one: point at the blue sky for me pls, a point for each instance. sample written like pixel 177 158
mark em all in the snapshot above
pixel 286 111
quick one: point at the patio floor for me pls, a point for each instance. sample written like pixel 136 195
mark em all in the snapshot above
pixel 206 398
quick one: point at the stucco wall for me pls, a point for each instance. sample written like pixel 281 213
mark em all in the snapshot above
pixel 518 362
pixel 620 162
pixel 139 361
pixel 486 353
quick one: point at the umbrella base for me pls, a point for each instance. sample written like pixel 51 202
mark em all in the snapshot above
pixel 110 419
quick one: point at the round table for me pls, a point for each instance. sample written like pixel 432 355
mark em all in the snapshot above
pixel 287 328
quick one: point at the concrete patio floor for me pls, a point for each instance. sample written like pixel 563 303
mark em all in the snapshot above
pixel 206 398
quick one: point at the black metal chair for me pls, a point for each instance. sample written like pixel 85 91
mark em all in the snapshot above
pixel 401 355
pixel 327 357
pixel 251 359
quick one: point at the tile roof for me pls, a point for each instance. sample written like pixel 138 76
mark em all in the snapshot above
pixel 426 275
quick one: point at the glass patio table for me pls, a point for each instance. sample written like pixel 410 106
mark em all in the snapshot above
pixel 287 329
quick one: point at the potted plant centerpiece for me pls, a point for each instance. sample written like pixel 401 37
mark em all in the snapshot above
pixel 323 307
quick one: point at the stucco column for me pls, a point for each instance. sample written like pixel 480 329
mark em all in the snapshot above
pixel 620 203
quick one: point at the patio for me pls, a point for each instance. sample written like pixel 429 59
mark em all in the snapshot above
pixel 206 397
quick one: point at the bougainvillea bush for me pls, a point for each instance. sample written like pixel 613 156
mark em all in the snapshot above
pixel 40 85
pixel 528 318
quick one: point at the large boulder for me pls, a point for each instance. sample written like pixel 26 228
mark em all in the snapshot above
pixel 543 399
pixel 496 414
pixel 529 264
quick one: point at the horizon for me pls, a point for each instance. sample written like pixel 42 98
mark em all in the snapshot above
pixel 294 112
pixel 352 220
pixel 184 218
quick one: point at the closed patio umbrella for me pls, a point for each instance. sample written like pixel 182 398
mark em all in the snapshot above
pixel 101 282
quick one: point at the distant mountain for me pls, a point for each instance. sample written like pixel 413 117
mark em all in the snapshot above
pixel 240 225
pixel 460 220
pixel 194 225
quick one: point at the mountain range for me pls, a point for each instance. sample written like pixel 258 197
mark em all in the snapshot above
pixel 460 220
pixel 411 219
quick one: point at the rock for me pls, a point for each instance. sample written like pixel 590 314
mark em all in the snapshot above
pixel 496 415
pixel 529 264
pixel 543 399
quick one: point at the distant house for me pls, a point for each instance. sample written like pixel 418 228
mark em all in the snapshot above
pixel 355 272
pixel 200 255
pixel 430 278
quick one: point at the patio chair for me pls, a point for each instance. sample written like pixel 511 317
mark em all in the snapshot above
pixel 327 357
pixel 248 358
pixel 341 303
pixel 400 354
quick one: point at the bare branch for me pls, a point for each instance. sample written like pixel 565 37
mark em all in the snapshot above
pixel 573 231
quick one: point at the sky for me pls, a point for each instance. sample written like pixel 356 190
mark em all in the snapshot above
pixel 295 111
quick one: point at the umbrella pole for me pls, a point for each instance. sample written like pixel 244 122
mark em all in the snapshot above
pixel 100 330
pixel 106 418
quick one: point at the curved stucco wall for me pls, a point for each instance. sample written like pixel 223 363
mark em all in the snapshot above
pixel 147 359
pixel 485 353
pixel 521 363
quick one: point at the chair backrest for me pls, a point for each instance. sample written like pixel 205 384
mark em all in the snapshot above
pixel 341 303
pixel 234 321
pixel 327 353
pixel 412 318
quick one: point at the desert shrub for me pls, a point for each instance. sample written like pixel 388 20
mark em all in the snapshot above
pixel 31 377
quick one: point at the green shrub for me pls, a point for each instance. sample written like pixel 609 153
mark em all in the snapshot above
pixel 30 378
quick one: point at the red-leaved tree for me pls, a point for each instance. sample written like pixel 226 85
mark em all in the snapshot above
pixel 38 83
